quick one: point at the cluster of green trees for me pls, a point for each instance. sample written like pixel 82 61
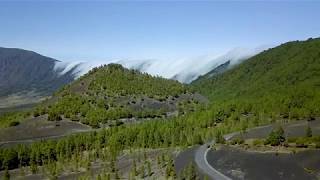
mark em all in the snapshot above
pixel 105 94
pixel 189 172
pixel 276 137
pixel 194 128
pixel 12 118
pixel 113 79
pixel 282 82
pixel 140 169
pixel 93 111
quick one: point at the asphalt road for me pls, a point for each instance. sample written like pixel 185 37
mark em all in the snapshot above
pixel 200 157
pixel 204 166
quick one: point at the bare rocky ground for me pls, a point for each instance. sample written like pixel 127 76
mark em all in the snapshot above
pixel 124 165
pixel 36 128
pixel 241 164
pixel 291 129
pixel 20 99
pixel 269 163
pixel 184 158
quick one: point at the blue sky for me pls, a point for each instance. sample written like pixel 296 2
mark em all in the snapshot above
pixel 161 30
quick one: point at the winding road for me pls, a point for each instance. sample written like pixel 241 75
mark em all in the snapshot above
pixel 204 166
pixel 200 157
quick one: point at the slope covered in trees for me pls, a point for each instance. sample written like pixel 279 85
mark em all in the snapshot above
pixel 282 82
pixel 111 92
pixel 113 79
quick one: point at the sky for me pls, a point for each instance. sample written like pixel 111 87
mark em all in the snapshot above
pixel 168 30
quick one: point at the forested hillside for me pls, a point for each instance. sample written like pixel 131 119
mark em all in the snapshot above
pixel 282 82
pixel 104 95
pixel 110 93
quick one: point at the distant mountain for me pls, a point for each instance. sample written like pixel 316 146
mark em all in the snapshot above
pixel 218 70
pixel 284 80
pixel 26 76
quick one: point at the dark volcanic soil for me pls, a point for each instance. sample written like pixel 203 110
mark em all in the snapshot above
pixel 240 164
pixel 38 127
pixel 184 158
pixel 292 129
pixel 124 164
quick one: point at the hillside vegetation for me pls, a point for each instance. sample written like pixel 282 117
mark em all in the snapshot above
pixel 115 80
pixel 282 82
pixel 110 93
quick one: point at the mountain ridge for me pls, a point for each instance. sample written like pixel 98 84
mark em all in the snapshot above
pixel 23 71
pixel 282 80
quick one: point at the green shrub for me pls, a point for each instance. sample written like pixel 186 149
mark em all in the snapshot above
pixel 276 137
pixel 301 142
pixel 14 123
pixel 54 117
pixel 219 137
pixel 315 138
pixel 258 142
pixel 36 114
pixel 237 141
pixel 308 131
pixel 291 139
pixel 74 118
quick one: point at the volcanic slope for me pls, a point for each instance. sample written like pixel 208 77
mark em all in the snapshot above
pixel 283 82
pixel 112 94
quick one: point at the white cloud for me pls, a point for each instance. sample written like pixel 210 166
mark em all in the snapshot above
pixel 184 70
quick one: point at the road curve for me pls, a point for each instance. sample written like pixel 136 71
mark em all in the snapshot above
pixel 204 166
pixel 201 157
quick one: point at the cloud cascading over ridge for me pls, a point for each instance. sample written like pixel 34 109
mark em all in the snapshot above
pixel 183 70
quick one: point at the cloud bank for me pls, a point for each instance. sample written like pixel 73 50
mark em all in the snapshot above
pixel 183 70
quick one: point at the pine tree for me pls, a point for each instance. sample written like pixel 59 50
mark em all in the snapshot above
pixel 191 171
pixel 88 165
pixel 142 171
pixel 149 168
pixel 117 176
pixel 6 175
pixel 113 166
pixel 219 137
pixel 170 172
pixel 134 168
pixel 99 177
pixel 159 161
pixel 308 131
pixel 107 176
